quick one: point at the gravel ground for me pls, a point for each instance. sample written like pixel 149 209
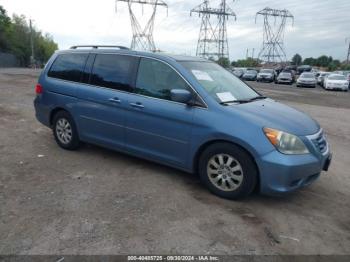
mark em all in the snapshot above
pixel 96 201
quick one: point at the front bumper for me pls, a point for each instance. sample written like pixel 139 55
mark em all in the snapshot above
pixel 306 84
pixel 265 79
pixel 286 173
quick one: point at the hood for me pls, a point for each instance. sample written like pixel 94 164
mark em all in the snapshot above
pixel 264 74
pixel 268 113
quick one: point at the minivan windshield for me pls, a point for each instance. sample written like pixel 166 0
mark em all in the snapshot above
pixel 219 83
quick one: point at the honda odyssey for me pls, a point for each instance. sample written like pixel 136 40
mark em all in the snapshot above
pixel 185 112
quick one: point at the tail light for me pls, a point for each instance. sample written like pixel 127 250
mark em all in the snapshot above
pixel 39 89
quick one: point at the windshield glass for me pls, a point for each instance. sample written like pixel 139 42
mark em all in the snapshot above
pixel 220 84
pixel 252 72
pixel 285 75
pixel 337 77
pixel 270 71
pixel 308 75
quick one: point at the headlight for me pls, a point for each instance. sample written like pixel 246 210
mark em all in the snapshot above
pixel 285 143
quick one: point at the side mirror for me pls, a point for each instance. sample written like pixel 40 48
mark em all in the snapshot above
pixel 180 95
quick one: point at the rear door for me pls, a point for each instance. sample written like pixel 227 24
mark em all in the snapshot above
pixel 103 98
pixel 157 127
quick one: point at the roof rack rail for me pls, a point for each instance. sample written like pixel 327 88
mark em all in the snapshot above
pixel 100 46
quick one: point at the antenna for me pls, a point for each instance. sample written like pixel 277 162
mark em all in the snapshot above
pixel 272 50
pixel 212 41
pixel 142 37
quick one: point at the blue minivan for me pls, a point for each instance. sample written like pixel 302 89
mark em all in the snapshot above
pixel 185 112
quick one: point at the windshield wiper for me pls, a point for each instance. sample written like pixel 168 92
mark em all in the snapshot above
pixel 257 98
pixel 242 101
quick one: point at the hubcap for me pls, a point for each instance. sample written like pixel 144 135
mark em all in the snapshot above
pixel 225 172
pixel 63 131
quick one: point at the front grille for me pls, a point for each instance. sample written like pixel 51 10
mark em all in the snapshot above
pixel 320 142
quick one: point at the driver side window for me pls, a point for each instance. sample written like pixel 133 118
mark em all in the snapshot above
pixel 156 79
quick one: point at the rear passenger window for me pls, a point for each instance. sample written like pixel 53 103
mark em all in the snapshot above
pixel 112 71
pixel 68 67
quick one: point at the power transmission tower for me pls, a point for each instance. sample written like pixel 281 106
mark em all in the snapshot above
pixel 272 50
pixel 212 41
pixel 347 40
pixel 142 37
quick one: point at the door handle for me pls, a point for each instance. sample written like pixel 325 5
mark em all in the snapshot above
pixel 138 105
pixel 114 100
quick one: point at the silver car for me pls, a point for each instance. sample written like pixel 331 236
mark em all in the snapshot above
pixel 306 79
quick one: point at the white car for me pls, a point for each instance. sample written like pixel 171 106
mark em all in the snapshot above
pixel 336 82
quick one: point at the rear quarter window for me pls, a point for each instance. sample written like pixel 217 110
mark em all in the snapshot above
pixel 68 67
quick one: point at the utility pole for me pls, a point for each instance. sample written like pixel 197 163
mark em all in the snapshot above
pixel 142 37
pixel 212 41
pixel 348 56
pixel 272 50
pixel 32 58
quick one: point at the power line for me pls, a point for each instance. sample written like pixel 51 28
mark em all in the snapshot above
pixel 212 41
pixel 272 50
pixel 142 37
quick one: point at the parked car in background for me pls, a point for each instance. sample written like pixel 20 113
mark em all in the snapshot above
pixel 238 72
pixel 185 112
pixel 306 79
pixel 303 68
pixel 321 77
pixel 250 75
pixel 284 78
pixel 291 71
pixel 336 82
pixel 266 75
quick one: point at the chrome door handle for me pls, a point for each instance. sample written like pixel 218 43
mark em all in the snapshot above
pixel 138 105
pixel 114 100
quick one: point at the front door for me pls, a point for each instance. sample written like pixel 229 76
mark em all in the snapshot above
pixel 157 127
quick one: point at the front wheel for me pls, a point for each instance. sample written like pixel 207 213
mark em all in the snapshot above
pixel 228 171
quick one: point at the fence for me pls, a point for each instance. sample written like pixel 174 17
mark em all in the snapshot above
pixel 8 60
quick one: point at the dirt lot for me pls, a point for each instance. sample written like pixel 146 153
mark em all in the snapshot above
pixel 95 201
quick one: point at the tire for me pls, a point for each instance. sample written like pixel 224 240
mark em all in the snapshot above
pixel 241 174
pixel 65 131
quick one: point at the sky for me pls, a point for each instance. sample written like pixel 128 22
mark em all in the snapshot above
pixel 320 26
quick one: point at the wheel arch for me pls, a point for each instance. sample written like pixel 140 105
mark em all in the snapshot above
pixel 54 112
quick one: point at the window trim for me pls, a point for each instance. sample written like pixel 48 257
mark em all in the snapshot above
pixel 68 53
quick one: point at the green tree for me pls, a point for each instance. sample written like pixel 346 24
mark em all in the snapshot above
pixel 15 38
pixel 322 61
pixel 297 60
pixel 224 62
pixel 310 61
pixel 249 62
pixel 5 23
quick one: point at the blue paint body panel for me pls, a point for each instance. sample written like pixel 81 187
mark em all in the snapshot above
pixel 173 133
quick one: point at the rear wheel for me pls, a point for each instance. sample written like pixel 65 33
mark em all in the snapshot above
pixel 65 131
pixel 228 171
